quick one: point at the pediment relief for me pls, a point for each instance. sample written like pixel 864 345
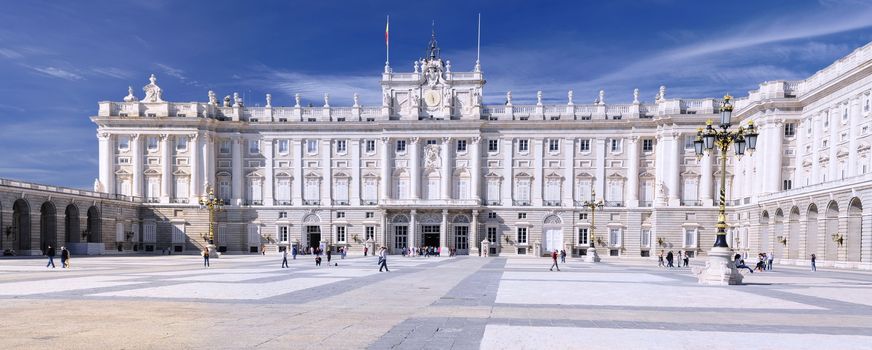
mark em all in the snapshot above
pixel 584 175
pixel 122 172
pixel 254 174
pixel 523 175
pixel 370 175
pixel 151 172
pixel 284 175
pixel 181 172
pixel 312 175
pixel 646 175
pixel 340 175
pixel 492 175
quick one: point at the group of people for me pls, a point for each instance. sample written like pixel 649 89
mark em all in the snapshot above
pixel 426 251
pixel 65 257
pixel 764 262
pixel 670 258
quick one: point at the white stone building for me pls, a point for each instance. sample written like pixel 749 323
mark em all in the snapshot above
pixel 433 166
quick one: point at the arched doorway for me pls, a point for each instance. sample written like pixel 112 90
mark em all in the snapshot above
pixel 72 228
pixel 764 232
pixel 48 230
pixel 793 234
pixel 93 230
pixel 831 228
pixel 855 228
pixel 553 233
pixel 21 225
pixel 811 232
pixel 400 236
pixel 460 225
pixel 779 235
pixel 312 235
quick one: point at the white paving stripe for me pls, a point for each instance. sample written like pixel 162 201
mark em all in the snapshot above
pixel 62 285
pixel 225 291
pixel 584 276
pixel 849 295
pixel 226 277
pixel 526 337
pixel 633 294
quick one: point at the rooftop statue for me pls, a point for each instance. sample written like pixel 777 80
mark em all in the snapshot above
pixel 268 100
pixel 130 97
pixel 213 100
pixel 636 96
pixel 153 93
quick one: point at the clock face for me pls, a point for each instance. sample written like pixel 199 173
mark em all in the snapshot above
pixel 432 98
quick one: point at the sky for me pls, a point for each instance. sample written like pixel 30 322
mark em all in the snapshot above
pixel 59 58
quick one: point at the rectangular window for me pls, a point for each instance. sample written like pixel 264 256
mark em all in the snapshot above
pixel 615 145
pixel 152 143
pixel 522 216
pixel 311 146
pixel 788 184
pixel 615 237
pixel 582 216
pixel 584 145
pixel 523 145
pixel 646 238
pixel 283 147
pixel 461 145
pixel 253 146
pixel 181 143
pixel 123 143
pixel 369 233
pixel 340 214
pixel 522 235
pixel 492 234
pixel 370 146
pixel 431 142
pixel 493 145
pixel 553 145
pixel 491 215
pixel 401 145
pixel 341 146
pixel 401 234
pixel 369 215
pixel 647 145
pixel 283 215
pixel 224 147
pixel 789 129
pixel 340 233
pixel 690 238
pixel 523 190
pixel 283 234
pixel 583 238
pixel 688 141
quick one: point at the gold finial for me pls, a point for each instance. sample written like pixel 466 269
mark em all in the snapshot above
pixel 728 97
pixel 707 122
pixel 750 123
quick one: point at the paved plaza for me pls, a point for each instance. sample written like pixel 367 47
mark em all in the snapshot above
pixel 166 302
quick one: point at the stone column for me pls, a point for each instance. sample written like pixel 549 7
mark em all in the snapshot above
pixel 236 171
pixel 446 168
pixel 327 169
pixel 706 176
pixel 854 120
pixel 817 135
pixel 676 150
pixel 661 164
pixel 195 184
pixel 799 155
pixel 415 168
pixel 600 183
pixel 385 181
pixel 443 233
pixel 473 235
pixel 298 182
pixel 269 171
pixel 136 151
pixel 413 228
pixel 209 161
pixel 385 230
pixel 633 171
pixel 568 172
pixel 536 197
pixel 475 164
pixel 355 194
pixel 833 167
pixel 106 155
pixel 166 173
pixel 506 195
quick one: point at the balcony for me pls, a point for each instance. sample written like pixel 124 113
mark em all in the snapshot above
pixel 646 203
pixel 369 202
pixel 253 202
pixel 152 200
pixel 552 203
pixel 282 202
pixel 492 202
pixel 691 203
pixel 614 203
pixel 523 203
pixel 179 200
pixel 341 202
pixel 311 202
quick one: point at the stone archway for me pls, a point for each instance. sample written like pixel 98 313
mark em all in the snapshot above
pixel 831 227
pixel 811 232
pixel 72 225
pixel 853 235
pixel 21 225
pixel 764 232
pixel 793 234
pixel 48 230
pixel 94 223
pixel 779 235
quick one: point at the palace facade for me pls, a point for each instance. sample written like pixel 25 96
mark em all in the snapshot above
pixel 434 166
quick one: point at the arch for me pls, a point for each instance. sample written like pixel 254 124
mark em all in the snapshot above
pixel 94 224
pixel 831 227
pixel 793 233
pixel 48 230
pixel 400 219
pixel 21 224
pixel 778 231
pixel 854 233
pixel 72 227
pixel 552 220
pixel 460 219
pixel 763 244
pixel 311 219
pixel 811 231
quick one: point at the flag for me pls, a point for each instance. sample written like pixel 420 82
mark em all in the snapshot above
pixel 387 27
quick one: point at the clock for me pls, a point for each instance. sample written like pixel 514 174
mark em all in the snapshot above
pixel 432 98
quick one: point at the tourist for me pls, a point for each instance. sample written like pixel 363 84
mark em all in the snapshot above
pixel 65 257
pixel 317 260
pixel 771 257
pixel 383 260
pixel 554 261
pixel 285 258
pixel 686 259
pixel 365 251
pixel 562 256
pixel 206 257
pixel 740 263
pixel 329 256
pixel 50 252
pixel 761 262
pixel 669 259
pixel 342 251
pixel 262 249
pixel 294 252
pixel 813 258
pixel 660 262
pixel 679 258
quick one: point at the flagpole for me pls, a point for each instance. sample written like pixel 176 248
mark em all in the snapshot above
pixel 478 46
pixel 387 42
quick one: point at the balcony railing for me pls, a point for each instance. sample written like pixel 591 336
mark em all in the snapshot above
pixel 152 200
pixel 340 202
pixel 552 203
pixel 179 200
pixel 518 203
pixel 311 202
pixel 369 202
pixel 493 202
pixel 614 203
pixel 691 203
pixel 253 202
pixel 646 203
pixel 282 202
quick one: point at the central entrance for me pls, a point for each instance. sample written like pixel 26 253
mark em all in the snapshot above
pixel 431 235
pixel 553 239
pixel 313 236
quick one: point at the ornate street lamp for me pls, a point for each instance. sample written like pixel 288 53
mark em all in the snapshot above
pixel 212 204
pixel 593 205
pixel 720 269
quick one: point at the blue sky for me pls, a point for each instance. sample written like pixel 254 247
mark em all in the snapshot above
pixel 58 58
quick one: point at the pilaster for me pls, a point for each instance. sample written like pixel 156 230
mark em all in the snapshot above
pixel 538 172
pixel 633 171
pixel 385 181
pixel 166 175
pixel 136 151
pixel 236 171
pixel 269 171
pixel 508 182
pixel 415 168
pixel 446 168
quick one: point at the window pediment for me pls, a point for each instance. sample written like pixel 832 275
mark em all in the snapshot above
pixel 181 172
pixel 254 174
pixel 493 176
pixel 313 175
pixel 584 175
pixel 151 172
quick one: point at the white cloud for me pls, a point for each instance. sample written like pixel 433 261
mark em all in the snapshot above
pixel 10 53
pixel 113 72
pixel 57 73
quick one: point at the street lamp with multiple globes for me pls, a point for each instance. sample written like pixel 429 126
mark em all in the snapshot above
pixel 212 204
pixel 593 205
pixel 720 269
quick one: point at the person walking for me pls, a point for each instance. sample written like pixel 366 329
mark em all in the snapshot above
pixel 263 249
pixel 669 259
pixel 365 251
pixel 342 252
pixel 679 258
pixel 383 260
pixel 329 256
pixel 50 252
pixel 206 257
pixel 562 256
pixel 660 262
pixel 813 258
pixel 285 258
pixel 294 252
pixel 554 261
pixel 771 257
pixel 686 259
pixel 317 260
pixel 65 257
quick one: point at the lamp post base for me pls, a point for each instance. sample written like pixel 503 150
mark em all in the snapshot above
pixel 213 251
pixel 719 270
pixel 592 256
